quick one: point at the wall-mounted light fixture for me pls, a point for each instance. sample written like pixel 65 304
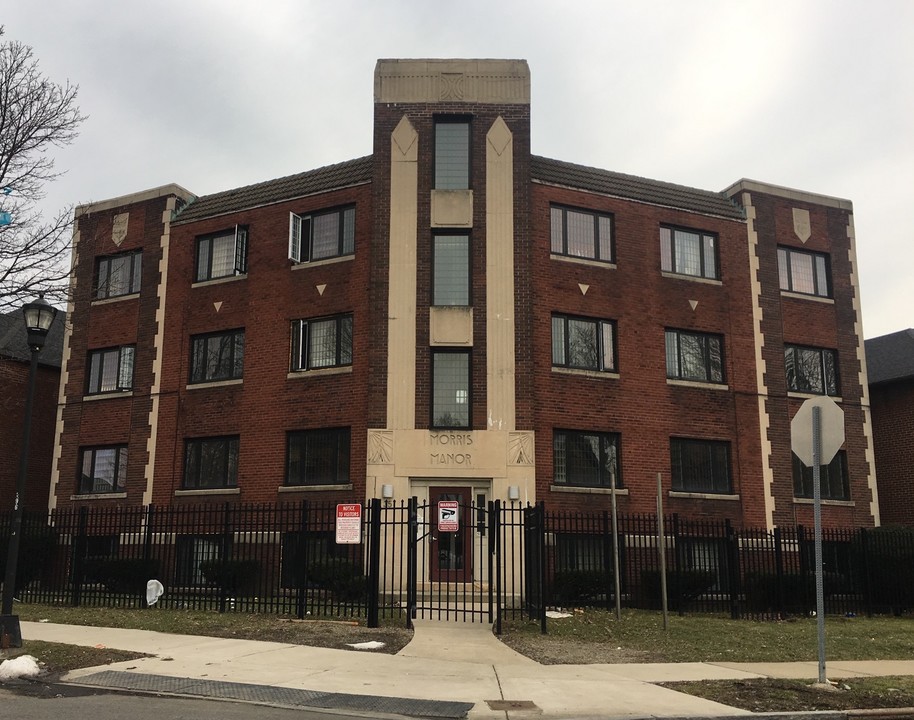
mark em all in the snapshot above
pixel 387 492
pixel 513 492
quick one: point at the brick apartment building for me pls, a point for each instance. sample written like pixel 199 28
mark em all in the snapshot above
pixel 453 316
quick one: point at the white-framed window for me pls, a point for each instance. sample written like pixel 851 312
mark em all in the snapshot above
pixel 322 235
pixel 585 459
pixel 217 356
pixel 322 342
pixel 581 233
pixel 688 252
pixel 694 356
pixel 117 275
pixel 805 272
pixel 583 343
pixel 103 470
pixel 110 370
pixel 811 370
pixel 222 254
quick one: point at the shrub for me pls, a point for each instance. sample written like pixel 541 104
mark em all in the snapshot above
pixel 341 577
pixel 682 587
pixel 236 577
pixel 885 566
pixel 580 587
pixel 37 545
pixel 121 575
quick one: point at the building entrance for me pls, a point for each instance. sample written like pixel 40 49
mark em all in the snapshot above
pixel 451 556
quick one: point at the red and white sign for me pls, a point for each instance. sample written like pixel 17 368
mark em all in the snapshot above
pixel 448 516
pixel 348 524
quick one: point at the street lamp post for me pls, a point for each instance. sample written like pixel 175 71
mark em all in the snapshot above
pixel 38 316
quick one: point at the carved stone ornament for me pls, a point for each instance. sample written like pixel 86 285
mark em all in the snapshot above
pixel 119 228
pixel 452 86
pixel 520 448
pixel 801 224
pixel 380 447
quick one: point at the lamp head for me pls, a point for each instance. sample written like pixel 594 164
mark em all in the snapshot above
pixel 39 316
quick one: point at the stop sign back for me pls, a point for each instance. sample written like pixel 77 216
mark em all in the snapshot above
pixel 831 429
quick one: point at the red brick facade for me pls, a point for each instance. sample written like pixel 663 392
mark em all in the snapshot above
pixel 893 421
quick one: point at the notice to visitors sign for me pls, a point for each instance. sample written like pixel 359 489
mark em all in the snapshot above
pixel 348 524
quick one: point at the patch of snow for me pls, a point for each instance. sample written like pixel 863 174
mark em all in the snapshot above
pixel 555 614
pixel 24 666
pixel 372 645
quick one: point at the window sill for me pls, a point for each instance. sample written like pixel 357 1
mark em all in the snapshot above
pixel 804 296
pixel 219 280
pixel 313 488
pixel 702 496
pixel 99 496
pixel 214 384
pixel 208 491
pixel 586 373
pixel 119 298
pixel 319 263
pixel 587 490
pixel 108 395
pixel 805 396
pixel 691 278
pixel 833 503
pixel 583 261
pixel 302 374
pixel 698 384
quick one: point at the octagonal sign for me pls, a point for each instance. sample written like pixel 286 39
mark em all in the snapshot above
pixel 831 429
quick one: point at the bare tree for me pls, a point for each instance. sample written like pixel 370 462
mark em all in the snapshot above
pixel 36 115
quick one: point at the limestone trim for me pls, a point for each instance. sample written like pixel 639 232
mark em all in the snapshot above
pixel 500 328
pixel 760 368
pixel 99 496
pixel 208 491
pixel 600 374
pixel 401 323
pixel 119 298
pixel 312 488
pixel 580 489
pixel 703 496
pixel 690 278
pixel 138 197
pixel 749 186
pixel 108 396
pixel 697 384
pixel 321 263
pixel 834 503
pixel 215 384
pixel 583 261
pixel 470 81
pixel 804 296
pixel 219 281
pixel 305 374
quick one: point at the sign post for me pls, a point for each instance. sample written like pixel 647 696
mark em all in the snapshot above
pixel 816 433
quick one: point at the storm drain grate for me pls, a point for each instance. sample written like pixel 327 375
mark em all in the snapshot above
pixel 267 694
pixel 511 705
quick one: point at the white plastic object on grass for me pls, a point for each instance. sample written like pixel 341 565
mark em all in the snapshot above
pixel 154 590
pixel 370 645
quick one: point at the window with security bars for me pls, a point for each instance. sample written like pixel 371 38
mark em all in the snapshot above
pixel 110 370
pixel 195 555
pixel 688 252
pixel 322 343
pixel 581 234
pixel 103 470
pixel 833 479
pixel 694 356
pixel 450 389
pixel 452 154
pixel 222 254
pixel 217 356
pixel 700 466
pixel 322 235
pixel 451 274
pixel 811 370
pixel 583 343
pixel 804 272
pixel 586 459
pixel 118 275
pixel 318 457
pixel 210 463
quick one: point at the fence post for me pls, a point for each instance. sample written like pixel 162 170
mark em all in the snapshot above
pixel 147 547
pixel 542 568
pixel 498 573
pixel 779 572
pixel 865 562
pixel 677 569
pixel 226 557
pixel 492 523
pixel 733 570
pixel 412 551
pixel 804 568
pixel 79 553
pixel 374 560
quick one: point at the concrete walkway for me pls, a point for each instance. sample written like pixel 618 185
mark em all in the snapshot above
pixel 452 662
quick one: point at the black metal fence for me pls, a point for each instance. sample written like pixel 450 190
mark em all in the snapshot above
pixel 496 561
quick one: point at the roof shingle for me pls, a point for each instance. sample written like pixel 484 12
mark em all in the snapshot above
pixel 890 357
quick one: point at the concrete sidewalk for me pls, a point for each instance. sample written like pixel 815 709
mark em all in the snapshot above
pixel 449 662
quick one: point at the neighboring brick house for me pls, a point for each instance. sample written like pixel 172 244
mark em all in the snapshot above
pixel 890 367
pixel 455 316
pixel 15 357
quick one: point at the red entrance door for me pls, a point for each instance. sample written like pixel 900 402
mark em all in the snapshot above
pixel 451 553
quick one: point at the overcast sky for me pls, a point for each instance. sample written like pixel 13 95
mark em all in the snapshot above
pixel 215 94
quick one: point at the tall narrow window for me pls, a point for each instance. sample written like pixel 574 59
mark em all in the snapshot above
pixel 218 356
pixel 451 260
pixel 222 254
pixel 322 343
pixel 811 370
pixel 323 235
pixel 111 370
pixel 583 343
pixel 103 470
pixel 688 252
pixel 804 272
pixel 450 389
pixel 694 356
pixel 581 233
pixel 452 154
pixel 118 275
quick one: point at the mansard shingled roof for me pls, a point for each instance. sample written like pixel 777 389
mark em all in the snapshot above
pixel 890 357
pixel 631 187
pixel 330 177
